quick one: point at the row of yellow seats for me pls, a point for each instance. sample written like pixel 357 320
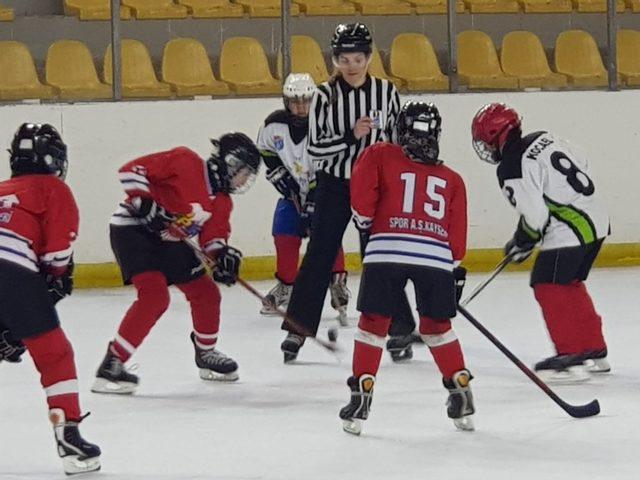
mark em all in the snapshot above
pixel 163 9
pixel 523 62
pixel 6 14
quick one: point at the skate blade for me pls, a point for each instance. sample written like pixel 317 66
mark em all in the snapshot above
pixel 211 376
pixel 102 385
pixel 343 320
pixel 570 376
pixel 598 365
pixel 464 424
pixel 73 465
pixel 269 312
pixel 352 426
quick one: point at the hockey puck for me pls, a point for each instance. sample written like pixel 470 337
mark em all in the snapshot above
pixel 332 333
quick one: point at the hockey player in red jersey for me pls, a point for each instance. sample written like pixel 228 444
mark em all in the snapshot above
pixel 414 210
pixel 174 196
pixel 547 181
pixel 38 224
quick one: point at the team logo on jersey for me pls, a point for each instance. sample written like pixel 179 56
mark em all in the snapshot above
pixel 5 217
pixel 278 141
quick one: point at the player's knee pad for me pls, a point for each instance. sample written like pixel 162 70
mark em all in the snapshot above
pixel 202 290
pixel 153 291
pixel 51 351
pixel 436 332
pixel 374 324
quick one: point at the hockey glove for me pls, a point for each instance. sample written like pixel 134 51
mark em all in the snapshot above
pixel 460 278
pixel 10 349
pixel 518 252
pixel 59 286
pixel 283 181
pixel 227 265
pixel 153 216
pixel 306 218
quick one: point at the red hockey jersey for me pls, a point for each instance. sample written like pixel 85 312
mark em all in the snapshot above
pixel 417 212
pixel 38 222
pixel 178 181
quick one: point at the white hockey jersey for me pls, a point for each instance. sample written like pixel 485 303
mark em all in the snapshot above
pixel 548 183
pixel 278 137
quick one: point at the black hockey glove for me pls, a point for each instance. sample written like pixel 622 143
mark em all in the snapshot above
pixel 153 216
pixel 283 181
pixel 60 286
pixel 10 349
pixel 518 253
pixel 227 265
pixel 306 218
pixel 459 278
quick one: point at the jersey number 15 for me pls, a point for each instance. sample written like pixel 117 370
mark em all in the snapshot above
pixel 435 207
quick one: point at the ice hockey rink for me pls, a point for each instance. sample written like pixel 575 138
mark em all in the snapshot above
pixel 280 421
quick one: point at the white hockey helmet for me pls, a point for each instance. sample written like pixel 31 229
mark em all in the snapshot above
pixel 298 86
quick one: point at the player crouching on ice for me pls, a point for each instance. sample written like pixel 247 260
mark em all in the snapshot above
pixel 38 223
pixel 548 183
pixel 414 210
pixel 282 141
pixel 174 196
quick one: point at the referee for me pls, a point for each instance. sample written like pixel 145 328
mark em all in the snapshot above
pixel 349 112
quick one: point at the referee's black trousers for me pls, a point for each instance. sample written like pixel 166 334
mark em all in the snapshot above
pixel 330 220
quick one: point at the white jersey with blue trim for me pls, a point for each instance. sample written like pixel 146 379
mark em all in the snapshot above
pixel 548 182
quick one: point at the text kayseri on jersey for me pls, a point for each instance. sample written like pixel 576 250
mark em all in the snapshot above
pixel 419 226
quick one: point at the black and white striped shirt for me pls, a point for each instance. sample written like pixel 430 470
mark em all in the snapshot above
pixel 334 111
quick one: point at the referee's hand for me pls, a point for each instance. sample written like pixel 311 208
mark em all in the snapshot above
pixel 363 127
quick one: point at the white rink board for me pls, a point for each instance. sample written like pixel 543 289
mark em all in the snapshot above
pixel 103 136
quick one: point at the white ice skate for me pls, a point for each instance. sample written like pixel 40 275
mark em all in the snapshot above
pixel 340 295
pixel 278 297
pixel 78 455
pixel 460 402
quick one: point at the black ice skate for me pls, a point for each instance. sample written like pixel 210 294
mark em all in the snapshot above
pixel 399 347
pixel 113 377
pixel 358 409
pixel 562 369
pixel 460 402
pixel 278 296
pixel 340 295
pixel 215 365
pixel 596 361
pixel 291 346
pixel 78 455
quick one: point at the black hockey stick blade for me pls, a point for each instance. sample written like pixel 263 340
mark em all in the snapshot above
pixel 576 411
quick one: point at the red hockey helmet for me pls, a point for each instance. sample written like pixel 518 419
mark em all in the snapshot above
pixel 490 128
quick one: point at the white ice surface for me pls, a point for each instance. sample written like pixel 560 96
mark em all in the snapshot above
pixel 280 421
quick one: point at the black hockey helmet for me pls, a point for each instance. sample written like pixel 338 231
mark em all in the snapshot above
pixel 418 131
pixel 38 149
pixel 350 38
pixel 234 163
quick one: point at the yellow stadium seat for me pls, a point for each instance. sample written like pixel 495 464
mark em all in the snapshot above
pixel 71 71
pixel 577 57
pixel 522 56
pixel 546 6
pixel 326 7
pixel 6 14
pixel 155 9
pixel 478 66
pixel 414 61
pixel 244 66
pixel 212 8
pixel 434 6
pixel 266 8
pixel 492 6
pixel 382 7
pixel 306 57
pixel 629 57
pixel 138 77
pixel 186 67
pixel 18 77
pixel 596 6
pixel 633 5
pixel 94 9
pixel 376 69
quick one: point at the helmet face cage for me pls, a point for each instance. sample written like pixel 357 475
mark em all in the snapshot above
pixel 350 38
pixel 489 127
pixel 238 169
pixel 418 131
pixel 486 152
pixel 235 158
pixel 38 149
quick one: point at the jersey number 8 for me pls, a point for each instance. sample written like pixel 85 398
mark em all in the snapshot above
pixel 436 207
pixel 578 180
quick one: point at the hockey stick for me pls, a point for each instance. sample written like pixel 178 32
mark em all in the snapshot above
pixel 577 411
pixel 300 329
pixel 476 291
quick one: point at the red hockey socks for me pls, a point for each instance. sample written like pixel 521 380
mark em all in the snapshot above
pixel 338 267
pixel 204 297
pixel 369 340
pixel 572 322
pixel 287 255
pixel 153 301
pixel 443 344
pixel 53 357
